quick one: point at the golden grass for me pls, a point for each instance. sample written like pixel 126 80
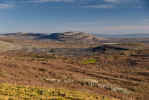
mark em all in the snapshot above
pixel 15 92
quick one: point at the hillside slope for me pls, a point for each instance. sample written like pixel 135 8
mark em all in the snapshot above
pixel 72 36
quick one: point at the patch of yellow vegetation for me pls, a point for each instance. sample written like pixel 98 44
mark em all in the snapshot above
pixel 14 92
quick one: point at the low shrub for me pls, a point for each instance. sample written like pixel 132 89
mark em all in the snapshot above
pixel 89 61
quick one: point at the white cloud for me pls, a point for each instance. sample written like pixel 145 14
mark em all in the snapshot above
pixel 101 6
pixel 2 6
pixel 125 29
pixel 82 3
pixel 110 29
pixel 139 27
pixel 44 1
pixel 146 21
pixel 112 1
pixel 114 4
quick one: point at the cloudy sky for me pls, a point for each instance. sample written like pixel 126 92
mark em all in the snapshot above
pixel 98 16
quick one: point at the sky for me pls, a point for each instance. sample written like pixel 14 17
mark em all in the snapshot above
pixel 93 16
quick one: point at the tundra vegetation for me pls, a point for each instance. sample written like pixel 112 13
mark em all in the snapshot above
pixel 18 92
pixel 45 69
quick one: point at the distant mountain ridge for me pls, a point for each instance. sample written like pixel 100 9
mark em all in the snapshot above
pixel 72 36
pixel 75 35
pixel 65 36
pixel 135 35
